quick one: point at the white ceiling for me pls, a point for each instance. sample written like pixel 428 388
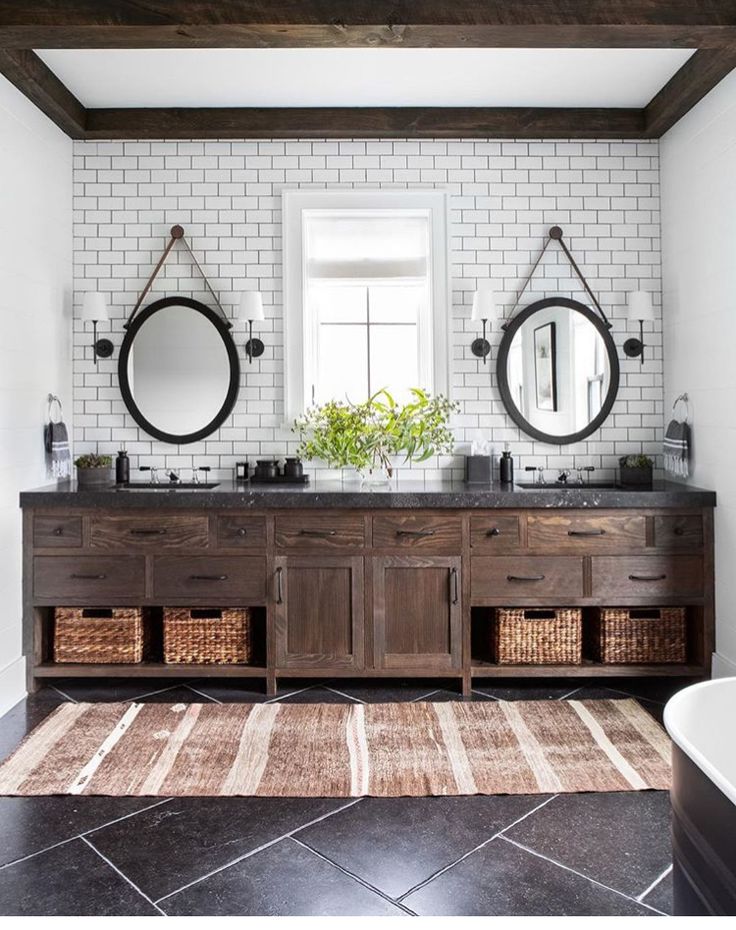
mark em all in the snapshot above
pixel 364 77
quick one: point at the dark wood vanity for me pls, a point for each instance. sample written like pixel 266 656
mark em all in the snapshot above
pixel 356 584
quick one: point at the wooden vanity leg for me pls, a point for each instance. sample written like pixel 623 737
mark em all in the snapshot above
pixel 467 685
pixel 271 684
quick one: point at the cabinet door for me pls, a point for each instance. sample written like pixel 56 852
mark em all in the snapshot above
pixel 318 609
pixel 417 619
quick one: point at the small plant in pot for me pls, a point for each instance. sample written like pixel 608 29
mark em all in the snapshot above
pixel 636 470
pixel 94 471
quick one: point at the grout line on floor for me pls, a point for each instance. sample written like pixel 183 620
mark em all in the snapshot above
pixel 478 691
pixel 423 697
pixel 142 810
pixel 567 868
pixel 253 852
pixel 281 697
pixel 140 697
pixel 203 694
pixel 638 697
pixel 654 883
pixel 122 875
pixel 357 878
pixel 570 694
pixel 475 849
pixel 67 697
pixel 355 700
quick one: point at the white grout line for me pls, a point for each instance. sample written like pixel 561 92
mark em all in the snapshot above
pixel 123 876
pixel 281 697
pixel 570 694
pixel 654 884
pixel 478 691
pixel 343 694
pixel 209 697
pixel 423 697
pixel 639 697
pixel 67 697
pixel 357 878
pixel 253 852
pixel 470 852
pixel 567 868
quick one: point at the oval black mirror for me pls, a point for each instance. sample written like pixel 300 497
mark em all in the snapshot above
pixel 558 370
pixel 179 370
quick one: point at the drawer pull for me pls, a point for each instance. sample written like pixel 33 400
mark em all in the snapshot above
pixel 144 532
pixel 208 577
pixel 416 534
pixel 586 532
pixel 494 532
pixel 59 531
pixel 77 577
pixel 524 577
pixel 318 534
pixel 647 577
pixel 454 596
pixel 679 531
pixel 279 586
pixel 241 531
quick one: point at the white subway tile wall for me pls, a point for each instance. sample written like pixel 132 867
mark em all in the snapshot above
pixel 504 198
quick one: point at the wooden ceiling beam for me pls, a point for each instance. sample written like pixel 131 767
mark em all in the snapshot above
pixel 364 122
pixel 32 77
pixel 367 23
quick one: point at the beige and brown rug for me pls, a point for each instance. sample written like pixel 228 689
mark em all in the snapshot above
pixel 339 750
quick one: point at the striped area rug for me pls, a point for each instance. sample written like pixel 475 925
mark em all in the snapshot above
pixel 339 750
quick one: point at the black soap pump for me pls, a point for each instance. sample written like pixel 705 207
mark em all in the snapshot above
pixel 507 467
pixel 122 467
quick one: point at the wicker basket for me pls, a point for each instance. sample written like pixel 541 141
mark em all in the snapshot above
pixel 641 635
pixel 96 635
pixel 207 637
pixel 539 637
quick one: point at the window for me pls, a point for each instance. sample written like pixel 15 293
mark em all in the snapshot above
pixel 365 294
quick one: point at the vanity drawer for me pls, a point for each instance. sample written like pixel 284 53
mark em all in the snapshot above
pixel 509 578
pixel 678 531
pixel 246 532
pixel 52 532
pixel 94 579
pixel 647 576
pixel 418 532
pixel 240 580
pixel 495 533
pixel 150 531
pixel 586 532
pixel 319 531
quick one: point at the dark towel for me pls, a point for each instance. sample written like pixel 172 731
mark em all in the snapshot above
pixel 677 449
pixel 56 439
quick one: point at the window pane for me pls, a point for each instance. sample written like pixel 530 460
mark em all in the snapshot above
pixel 396 304
pixel 342 368
pixel 394 360
pixel 339 303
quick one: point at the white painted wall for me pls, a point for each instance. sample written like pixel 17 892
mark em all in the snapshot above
pixel 35 333
pixel 698 168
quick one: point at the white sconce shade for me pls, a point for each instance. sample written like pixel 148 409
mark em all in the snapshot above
pixel 640 306
pixel 251 306
pixel 484 304
pixel 94 306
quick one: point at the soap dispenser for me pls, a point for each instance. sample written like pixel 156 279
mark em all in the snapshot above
pixel 122 467
pixel 507 467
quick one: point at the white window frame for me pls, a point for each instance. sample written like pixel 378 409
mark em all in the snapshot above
pixel 295 203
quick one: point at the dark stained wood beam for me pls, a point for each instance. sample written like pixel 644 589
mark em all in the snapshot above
pixel 364 122
pixel 686 87
pixel 32 77
pixel 350 23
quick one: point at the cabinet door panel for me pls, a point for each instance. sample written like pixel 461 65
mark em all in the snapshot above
pixel 319 612
pixel 417 612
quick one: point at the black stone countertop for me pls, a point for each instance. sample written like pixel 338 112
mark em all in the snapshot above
pixel 350 495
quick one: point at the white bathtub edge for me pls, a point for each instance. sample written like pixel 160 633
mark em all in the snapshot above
pixel 671 712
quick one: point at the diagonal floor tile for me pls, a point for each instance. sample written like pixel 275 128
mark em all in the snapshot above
pixel 385 690
pixel 502 880
pixel 232 691
pixel 517 690
pixel 661 895
pixel 71 880
pixel 395 843
pixel 621 839
pixel 316 696
pixel 24 717
pixel 653 689
pixel 168 847
pixel 122 689
pixel 283 880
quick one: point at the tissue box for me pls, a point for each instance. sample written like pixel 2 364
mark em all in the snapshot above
pixel 478 469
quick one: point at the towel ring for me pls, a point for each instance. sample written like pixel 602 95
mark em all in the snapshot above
pixel 53 399
pixel 682 399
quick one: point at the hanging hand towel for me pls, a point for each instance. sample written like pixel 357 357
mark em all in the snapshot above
pixel 677 449
pixel 56 440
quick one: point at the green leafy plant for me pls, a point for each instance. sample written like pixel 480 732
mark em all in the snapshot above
pixel 93 461
pixel 366 436
pixel 636 461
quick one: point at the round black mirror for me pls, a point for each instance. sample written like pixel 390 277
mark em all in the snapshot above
pixel 179 371
pixel 558 370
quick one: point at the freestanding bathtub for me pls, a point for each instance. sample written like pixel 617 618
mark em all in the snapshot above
pixel 701 720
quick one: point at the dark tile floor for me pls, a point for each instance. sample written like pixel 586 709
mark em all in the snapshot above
pixel 575 854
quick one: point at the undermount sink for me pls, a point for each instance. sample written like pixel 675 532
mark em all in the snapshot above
pixel 169 486
pixel 558 486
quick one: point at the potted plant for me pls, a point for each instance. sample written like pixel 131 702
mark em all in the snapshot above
pixel 94 471
pixel 636 470
pixel 367 436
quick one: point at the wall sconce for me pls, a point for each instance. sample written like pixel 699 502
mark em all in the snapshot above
pixel 484 309
pixel 639 308
pixel 94 308
pixel 251 309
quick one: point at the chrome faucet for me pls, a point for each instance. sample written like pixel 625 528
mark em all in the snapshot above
pixel 563 476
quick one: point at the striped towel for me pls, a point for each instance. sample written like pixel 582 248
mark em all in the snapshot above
pixel 56 439
pixel 677 449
